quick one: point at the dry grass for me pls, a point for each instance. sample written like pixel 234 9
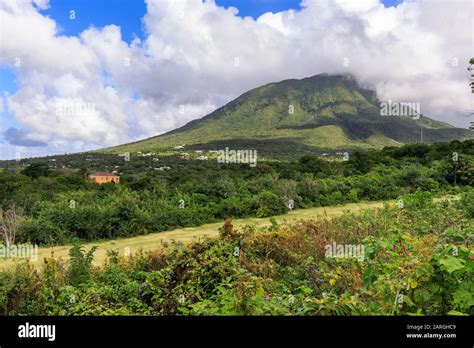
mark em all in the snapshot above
pixel 153 240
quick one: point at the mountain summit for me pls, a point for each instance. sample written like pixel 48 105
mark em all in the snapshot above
pixel 310 115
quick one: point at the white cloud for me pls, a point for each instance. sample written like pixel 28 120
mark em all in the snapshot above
pixel 196 56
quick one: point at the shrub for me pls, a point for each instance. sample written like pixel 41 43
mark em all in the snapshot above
pixel 80 269
pixel 467 203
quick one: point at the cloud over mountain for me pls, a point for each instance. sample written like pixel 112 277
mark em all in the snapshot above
pixel 97 90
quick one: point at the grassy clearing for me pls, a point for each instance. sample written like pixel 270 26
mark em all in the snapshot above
pixel 154 240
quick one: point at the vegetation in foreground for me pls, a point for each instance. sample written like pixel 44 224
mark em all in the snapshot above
pixel 418 259
pixel 188 234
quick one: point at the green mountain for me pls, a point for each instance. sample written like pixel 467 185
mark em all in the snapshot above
pixel 315 114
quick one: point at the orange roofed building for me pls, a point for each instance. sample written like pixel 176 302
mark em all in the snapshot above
pixel 103 177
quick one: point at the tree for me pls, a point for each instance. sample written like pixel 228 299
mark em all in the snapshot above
pixel 35 170
pixel 10 221
pixel 267 203
pixel 312 164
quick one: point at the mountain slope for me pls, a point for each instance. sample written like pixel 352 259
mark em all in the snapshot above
pixel 316 113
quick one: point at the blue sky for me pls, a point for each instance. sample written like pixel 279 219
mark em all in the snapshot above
pixel 128 13
pixel 270 57
pixel 125 13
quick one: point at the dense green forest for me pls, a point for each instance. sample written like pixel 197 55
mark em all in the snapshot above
pixel 57 204
pixel 418 260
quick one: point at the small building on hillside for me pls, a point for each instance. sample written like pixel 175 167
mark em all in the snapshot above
pixel 104 177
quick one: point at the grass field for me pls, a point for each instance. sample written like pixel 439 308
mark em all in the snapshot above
pixel 154 240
